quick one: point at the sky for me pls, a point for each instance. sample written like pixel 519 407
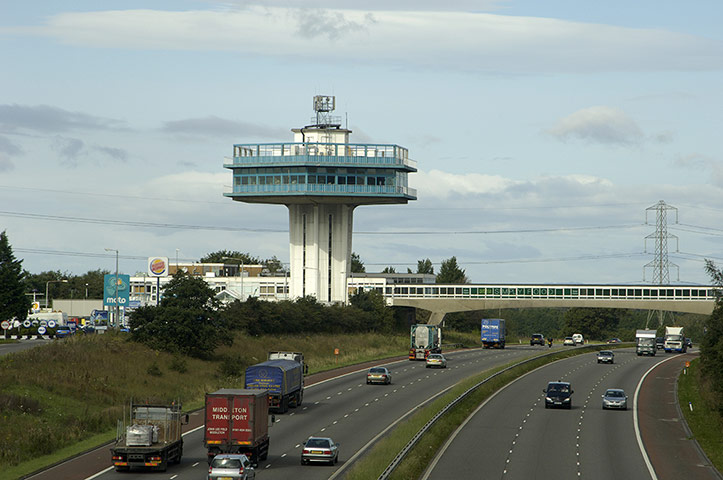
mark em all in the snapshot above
pixel 544 132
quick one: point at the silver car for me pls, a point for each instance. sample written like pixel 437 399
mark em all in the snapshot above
pixel 615 398
pixel 379 375
pixel 231 466
pixel 320 449
pixel 436 360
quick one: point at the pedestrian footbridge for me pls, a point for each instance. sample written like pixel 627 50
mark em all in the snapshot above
pixel 443 299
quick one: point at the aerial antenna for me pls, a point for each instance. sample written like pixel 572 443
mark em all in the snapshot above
pixel 323 106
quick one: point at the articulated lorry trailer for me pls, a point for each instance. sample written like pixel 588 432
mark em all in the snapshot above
pixel 674 340
pixel 645 342
pixel 237 421
pixel 493 333
pixel 151 438
pixel 282 377
pixel 424 339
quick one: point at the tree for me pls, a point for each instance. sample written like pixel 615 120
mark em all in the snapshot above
pixel 14 304
pixel 232 257
pixel 450 272
pixel 187 321
pixel 389 270
pixel 425 266
pixel 357 266
pixel 592 323
pixel 274 265
pixel 711 347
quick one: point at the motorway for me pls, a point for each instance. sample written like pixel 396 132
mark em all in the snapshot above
pixel 21 345
pixel 344 408
pixel 513 436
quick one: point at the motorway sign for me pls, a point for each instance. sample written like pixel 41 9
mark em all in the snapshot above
pixel 41 330
pixel 5 324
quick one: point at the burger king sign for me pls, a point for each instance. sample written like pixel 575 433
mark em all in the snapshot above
pixel 158 266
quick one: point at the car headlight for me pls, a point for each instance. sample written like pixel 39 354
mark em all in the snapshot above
pixel 548 399
pixel 567 399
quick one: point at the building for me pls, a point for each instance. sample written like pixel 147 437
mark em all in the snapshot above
pixel 321 178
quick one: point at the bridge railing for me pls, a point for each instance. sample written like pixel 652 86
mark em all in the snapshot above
pixel 571 292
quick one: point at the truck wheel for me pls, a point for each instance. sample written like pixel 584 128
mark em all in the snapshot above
pixel 285 405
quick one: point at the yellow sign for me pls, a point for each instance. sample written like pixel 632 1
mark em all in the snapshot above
pixel 336 351
pixel 35 306
pixel 687 364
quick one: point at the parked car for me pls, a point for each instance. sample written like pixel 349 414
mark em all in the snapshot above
pixel 62 332
pixel 659 343
pixel 436 360
pixel 379 375
pixel 558 394
pixel 231 467
pixel 537 339
pixel 569 342
pixel 605 356
pixel 320 449
pixel 688 343
pixel 615 398
pixel 615 340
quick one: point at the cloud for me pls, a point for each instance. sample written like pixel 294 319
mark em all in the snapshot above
pixel 47 119
pixel 458 40
pixel 220 127
pixel 112 152
pixel 6 164
pixel 603 125
pixel 69 149
pixel 8 147
pixel 699 162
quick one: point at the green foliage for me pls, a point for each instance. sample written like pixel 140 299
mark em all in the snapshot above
pixel 154 370
pixel 357 266
pixel 389 270
pixel 231 257
pixel 593 323
pixel 14 304
pixel 711 348
pixel 186 322
pixel 74 288
pixel 425 266
pixel 450 272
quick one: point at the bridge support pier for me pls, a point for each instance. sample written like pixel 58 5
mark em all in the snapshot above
pixel 436 318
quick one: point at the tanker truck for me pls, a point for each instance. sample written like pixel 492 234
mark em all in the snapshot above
pixel 424 339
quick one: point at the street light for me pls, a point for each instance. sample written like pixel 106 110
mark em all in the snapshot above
pixel 86 291
pixel 117 313
pixel 46 288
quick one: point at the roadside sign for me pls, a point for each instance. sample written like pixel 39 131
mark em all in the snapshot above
pixel 43 323
pixel 35 306
pixel 5 324
pixel 41 330
pixel 687 364
pixel 27 324
pixel 35 323
pixel 16 323
pixel 51 324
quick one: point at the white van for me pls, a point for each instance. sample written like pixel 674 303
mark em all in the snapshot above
pixel 577 337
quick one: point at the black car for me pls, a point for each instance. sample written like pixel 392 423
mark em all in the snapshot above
pixel 688 343
pixel 659 342
pixel 558 394
pixel 537 339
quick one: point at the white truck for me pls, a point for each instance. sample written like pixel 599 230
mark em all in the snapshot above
pixel 424 339
pixel 674 340
pixel 645 342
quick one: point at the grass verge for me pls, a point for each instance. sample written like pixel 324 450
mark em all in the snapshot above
pixel 414 464
pixel 704 421
pixel 63 398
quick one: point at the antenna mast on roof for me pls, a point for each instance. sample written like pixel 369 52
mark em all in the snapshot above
pixel 323 106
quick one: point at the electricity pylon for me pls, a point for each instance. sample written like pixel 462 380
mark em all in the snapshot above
pixel 660 264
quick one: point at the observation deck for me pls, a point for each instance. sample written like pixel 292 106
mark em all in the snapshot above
pixel 317 172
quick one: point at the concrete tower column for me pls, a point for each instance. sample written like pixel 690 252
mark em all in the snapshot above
pixel 320 238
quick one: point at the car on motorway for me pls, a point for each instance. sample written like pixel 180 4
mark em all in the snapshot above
pixel 615 340
pixel 659 343
pixel 379 375
pixel 568 342
pixel 320 449
pixel 615 398
pixel 577 337
pixel 436 360
pixel 537 339
pixel 605 356
pixel 231 467
pixel 558 394
pixel 688 343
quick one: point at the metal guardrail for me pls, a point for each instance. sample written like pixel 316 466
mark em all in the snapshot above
pixel 403 453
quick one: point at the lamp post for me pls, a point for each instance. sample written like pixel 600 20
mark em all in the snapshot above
pixel 86 291
pixel 117 313
pixel 46 288
pixel 177 259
